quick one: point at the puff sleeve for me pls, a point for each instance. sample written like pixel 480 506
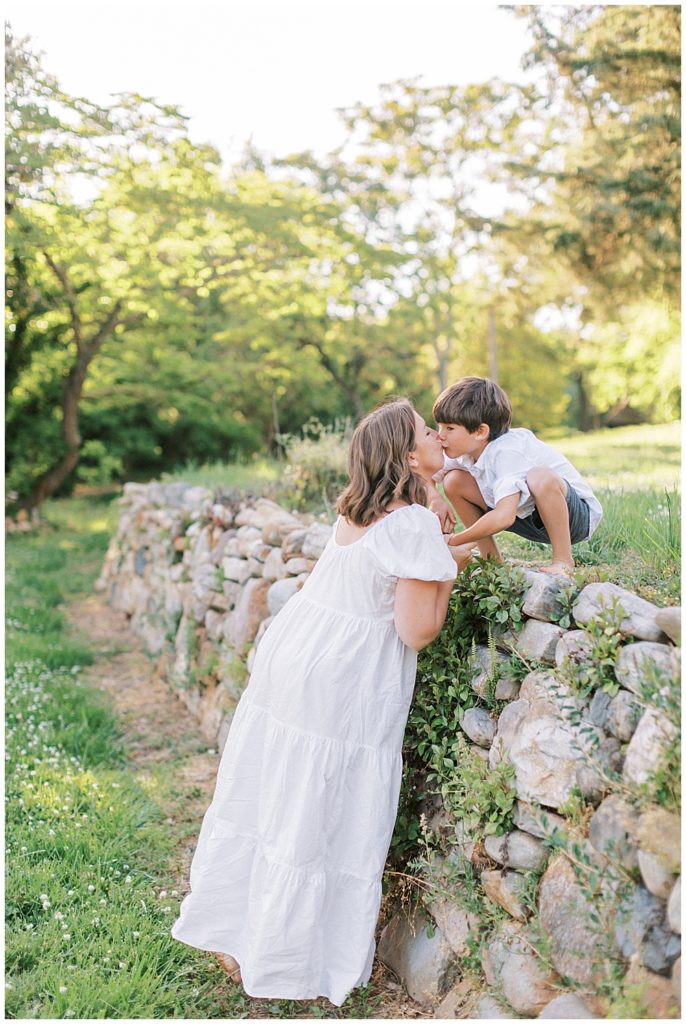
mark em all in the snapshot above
pixel 409 545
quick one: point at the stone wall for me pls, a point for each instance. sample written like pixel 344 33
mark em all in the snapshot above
pixel 201 578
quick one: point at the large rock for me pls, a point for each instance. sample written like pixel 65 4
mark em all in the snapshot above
pixel 577 949
pixel 541 600
pixel 455 1001
pixel 575 648
pixel 604 760
pixel 599 708
pixel 669 621
pixel 293 544
pixel 454 923
pixel 510 965
pixel 638 617
pixel 488 1008
pixel 675 979
pixel 274 567
pixel 674 907
pixel 660 949
pixel 486 668
pixel 568 1006
pixel 249 612
pixel 425 963
pixel 538 821
pixel 479 726
pixel 281 592
pixel 623 715
pixel 232 591
pixel 517 850
pixel 659 831
pixel 648 746
pixel 316 539
pixel 655 876
pixel 258 514
pixel 506 889
pixel 236 569
pixel 214 624
pixel 538 641
pixel 547 752
pixel 546 686
pixel 638 913
pixel 612 829
pixel 249 541
pixel 296 566
pixel 277 527
pixel 638 665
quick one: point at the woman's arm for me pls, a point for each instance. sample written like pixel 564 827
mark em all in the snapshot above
pixel 421 605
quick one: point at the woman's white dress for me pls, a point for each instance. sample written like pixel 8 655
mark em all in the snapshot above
pixel 286 876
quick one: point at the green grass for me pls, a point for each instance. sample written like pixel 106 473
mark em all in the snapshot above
pixel 257 475
pixel 88 847
pixel 626 459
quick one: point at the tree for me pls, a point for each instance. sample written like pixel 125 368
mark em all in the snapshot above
pixel 611 156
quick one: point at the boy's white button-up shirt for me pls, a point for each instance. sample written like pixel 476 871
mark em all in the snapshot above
pixel 502 467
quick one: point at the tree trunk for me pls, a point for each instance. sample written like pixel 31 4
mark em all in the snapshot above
pixel 57 474
pixel 86 350
pixel 586 416
pixel 492 343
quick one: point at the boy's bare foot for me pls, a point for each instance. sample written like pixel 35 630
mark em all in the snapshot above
pixel 559 569
pixel 231 967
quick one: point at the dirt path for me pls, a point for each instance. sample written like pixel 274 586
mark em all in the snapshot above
pixel 159 730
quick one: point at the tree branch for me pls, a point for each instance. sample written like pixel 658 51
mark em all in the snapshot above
pixel 61 275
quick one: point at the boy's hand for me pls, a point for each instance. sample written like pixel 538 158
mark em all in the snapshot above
pixel 442 509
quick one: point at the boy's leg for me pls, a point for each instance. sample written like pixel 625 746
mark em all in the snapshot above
pixel 549 491
pixel 462 492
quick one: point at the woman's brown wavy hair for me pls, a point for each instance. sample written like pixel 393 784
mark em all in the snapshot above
pixel 378 466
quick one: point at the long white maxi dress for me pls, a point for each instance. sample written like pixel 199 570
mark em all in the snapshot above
pixel 286 876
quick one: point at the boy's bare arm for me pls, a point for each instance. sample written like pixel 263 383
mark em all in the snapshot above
pixel 499 518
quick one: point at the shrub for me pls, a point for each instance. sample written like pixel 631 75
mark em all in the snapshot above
pixel 317 464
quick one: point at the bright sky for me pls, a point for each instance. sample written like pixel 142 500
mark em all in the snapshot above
pixel 273 70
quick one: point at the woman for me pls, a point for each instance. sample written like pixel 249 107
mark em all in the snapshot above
pixel 286 877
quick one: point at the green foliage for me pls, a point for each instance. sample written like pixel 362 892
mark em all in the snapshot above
pixel 183 313
pixel 596 670
pixel 493 592
pixel 481 798
pixel 316 464
pixel 616 74
pixel 662 691
pixel 484 592
pixel 455 878
pixel 98 466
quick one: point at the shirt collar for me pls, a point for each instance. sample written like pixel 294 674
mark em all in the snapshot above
pixel 467 462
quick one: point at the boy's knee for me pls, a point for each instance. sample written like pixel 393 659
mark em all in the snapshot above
pixel 456 482
pixel 543 478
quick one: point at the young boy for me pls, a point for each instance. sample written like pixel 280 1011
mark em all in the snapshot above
pixel 498 478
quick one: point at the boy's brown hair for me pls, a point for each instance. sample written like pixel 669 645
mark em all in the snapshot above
pixel 378 466
pixel 473 401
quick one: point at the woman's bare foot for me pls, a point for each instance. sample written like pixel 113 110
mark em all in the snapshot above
pixel 565 569
pixel 231 967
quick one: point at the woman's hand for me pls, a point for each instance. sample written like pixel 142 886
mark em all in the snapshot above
pixel 462 553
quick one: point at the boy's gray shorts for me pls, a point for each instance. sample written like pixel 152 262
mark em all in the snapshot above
pixel 532 527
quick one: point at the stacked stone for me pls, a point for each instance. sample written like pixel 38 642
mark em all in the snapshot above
pixel 558 742
pixel 202 577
